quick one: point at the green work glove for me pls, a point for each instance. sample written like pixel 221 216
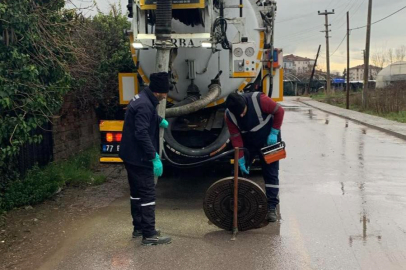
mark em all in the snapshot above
pixel 273 137
pixel 158 167
pixel 164 124
pixel 241 163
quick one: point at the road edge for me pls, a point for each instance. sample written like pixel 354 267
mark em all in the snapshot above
pixel 313 104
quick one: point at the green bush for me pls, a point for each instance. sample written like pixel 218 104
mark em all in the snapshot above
pixel 107 52
pixel 47 52
pixel 40 184
pixel 35 48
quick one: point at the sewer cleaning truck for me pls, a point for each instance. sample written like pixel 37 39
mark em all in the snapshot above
pixel 215 47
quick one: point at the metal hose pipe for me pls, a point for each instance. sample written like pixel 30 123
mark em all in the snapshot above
pixel 212 95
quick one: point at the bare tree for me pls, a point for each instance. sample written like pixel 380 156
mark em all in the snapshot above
pixel 391 55
pixel 379 58
pixel 401 53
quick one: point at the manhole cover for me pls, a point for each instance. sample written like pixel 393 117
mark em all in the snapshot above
pixel 252 204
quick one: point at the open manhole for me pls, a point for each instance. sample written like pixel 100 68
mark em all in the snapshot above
pixel 252 204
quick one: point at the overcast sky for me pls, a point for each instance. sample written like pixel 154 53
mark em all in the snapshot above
pixel 298 27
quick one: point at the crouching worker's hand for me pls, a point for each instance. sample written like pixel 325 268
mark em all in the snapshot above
pixel 241 163
pixel 273 137
pixel 158 167
pixel 164 124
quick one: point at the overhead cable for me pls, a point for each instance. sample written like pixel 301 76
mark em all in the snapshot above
pixel 380 19
pixel 339 45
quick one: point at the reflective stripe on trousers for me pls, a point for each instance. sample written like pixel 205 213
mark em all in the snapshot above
pixel 270 173
pixel 142 190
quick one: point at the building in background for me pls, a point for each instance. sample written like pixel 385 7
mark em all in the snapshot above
pixel 357 73
pixel 297 64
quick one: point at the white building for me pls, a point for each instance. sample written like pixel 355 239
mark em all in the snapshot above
pixel 357 73
pixel 297 64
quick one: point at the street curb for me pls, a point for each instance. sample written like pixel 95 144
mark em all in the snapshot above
pixel 391 132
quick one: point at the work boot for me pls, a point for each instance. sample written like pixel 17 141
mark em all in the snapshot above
pixel 156 240
pixel 271 215
pixel 138 233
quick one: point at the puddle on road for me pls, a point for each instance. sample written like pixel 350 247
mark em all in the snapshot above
pixel 294 109
pixel 365 236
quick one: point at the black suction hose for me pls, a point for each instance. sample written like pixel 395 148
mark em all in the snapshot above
pixel 199 163
pixel 163 19
pixel 130 8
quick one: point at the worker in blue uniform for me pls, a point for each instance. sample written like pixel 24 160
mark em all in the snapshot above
pixel 139 151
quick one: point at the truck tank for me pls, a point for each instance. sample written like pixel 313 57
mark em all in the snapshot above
pixel 218 47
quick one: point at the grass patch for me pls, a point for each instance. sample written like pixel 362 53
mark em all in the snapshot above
pixel 318 96
pixel 399 117
pixel 339 99
pixel 79 170
pixel 40 184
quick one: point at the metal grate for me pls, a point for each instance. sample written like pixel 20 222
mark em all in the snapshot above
pixel 252 204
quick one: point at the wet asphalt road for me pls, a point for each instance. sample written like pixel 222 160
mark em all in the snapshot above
pixel 343 206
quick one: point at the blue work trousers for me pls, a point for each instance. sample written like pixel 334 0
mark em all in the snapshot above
pixel 142 190
pixel 270 173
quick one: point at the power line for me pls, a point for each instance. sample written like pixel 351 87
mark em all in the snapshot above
pixel 353 5
pixel 341 25
pixel 310 29
pixel 339 13
pixel 381 19
pixel 300 37
pixel 303 31
pixel 296 17
pixel 339 45
pixel 363 1
pixel 390 15
pixel 338 17
pixel 330 3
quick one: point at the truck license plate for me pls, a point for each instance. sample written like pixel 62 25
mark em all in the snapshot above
pixel 109 148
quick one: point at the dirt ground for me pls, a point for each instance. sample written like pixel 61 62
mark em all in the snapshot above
pixel 24 242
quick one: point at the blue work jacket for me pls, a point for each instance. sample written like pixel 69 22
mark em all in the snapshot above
pixel 140 140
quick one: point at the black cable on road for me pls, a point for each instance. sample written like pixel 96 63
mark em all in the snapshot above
pixel 199 163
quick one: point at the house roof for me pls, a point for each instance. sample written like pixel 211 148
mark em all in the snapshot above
pixel 291 57
pixel 362 67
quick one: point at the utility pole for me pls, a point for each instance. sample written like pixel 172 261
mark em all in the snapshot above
pixel 366 61
pixel 348 60
pixel 314 68
pixel 326 13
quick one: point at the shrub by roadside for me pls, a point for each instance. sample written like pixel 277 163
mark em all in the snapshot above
pixel 49 53
pixel 40 184
pixel 389 103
